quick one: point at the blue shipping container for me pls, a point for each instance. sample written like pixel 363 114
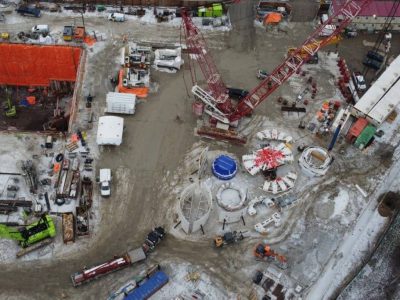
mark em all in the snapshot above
pixel 149 287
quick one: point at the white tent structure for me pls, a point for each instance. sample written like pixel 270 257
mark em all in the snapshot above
pixel 110 130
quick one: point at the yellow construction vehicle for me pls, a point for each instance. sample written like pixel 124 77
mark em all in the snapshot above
pixel 228 238
pixel 10 108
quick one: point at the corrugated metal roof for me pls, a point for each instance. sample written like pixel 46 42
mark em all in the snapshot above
pixel 377 8
pixel 379 98
pixel 152 285
pixel 384 107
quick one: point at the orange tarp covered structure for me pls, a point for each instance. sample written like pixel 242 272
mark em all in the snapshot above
pixel 37 65
pixel 141 92
pixel 272 18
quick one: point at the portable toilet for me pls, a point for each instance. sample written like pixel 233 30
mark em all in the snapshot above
pixel 201 12
pixel 217 10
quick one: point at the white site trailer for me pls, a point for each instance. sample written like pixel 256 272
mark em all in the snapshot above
pixel 382 97
pixel 110 130
pixel 120 103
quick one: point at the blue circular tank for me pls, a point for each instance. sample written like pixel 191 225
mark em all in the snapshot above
pixel 224 167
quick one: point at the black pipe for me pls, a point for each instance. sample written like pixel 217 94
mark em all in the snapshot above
pixel 177 224
pixel 46 197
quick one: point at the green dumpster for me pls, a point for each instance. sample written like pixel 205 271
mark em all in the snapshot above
pixel 217 10
pixel 365 136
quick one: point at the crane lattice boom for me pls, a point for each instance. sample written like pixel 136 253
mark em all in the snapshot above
pixel 347 12
pixel 197 45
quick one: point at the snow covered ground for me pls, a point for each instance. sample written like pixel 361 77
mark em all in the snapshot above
pixel 357 242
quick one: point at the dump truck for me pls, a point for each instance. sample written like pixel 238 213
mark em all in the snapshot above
pixel 31 234
pixel 228 238
pixel 121 261
pixel 265 253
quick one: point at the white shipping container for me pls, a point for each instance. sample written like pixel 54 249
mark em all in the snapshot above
pixel 120 103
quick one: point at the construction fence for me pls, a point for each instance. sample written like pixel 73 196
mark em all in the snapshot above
pixel 144 3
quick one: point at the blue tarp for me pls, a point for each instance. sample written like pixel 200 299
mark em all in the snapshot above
pixel 149 287
pixel 224 167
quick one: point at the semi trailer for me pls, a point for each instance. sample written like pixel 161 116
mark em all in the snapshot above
pixel 120 262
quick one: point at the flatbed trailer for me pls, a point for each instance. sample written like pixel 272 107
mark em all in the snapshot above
pixel 119 262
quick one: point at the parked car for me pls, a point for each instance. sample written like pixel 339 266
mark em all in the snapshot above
pixel 359 81
pixel 371 63
pixel 237 93
pixel 262 74
pixel 375 56
pixel 41 29
pixel 116 17
pixel 30 11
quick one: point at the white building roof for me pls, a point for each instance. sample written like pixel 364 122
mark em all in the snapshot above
pixel 379 101
pixel 121 103
pixel 388 103
pixel 110 130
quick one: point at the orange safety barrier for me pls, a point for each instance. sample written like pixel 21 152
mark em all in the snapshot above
pixel 56 167
pixel 141 92
pixel 88 40
pixel 37 65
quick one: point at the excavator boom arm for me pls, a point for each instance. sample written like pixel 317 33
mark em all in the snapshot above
pixel 11 234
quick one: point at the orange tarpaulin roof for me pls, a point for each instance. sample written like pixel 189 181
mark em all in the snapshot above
pixel 37 65
pixel 272 18
pixel 141 92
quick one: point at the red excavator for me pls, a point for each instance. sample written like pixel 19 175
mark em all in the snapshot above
pixel 265 253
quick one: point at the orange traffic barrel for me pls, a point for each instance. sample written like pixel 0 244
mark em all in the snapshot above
pixel 31 100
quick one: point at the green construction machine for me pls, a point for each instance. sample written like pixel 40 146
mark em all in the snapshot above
pixel 31 234
pixel 9 108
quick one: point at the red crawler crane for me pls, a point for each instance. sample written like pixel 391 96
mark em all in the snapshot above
pixel 197 46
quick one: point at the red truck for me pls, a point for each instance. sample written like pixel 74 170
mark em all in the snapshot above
pixel 119 262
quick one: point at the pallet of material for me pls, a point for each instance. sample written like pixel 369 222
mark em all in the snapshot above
pixel 34 247
pixel 5 210
pixel 82 221
pixel 85 199
pixel 72 146
pixel 17 203
pixel 68 227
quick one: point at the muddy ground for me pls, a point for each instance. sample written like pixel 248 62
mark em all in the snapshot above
pixel 154 145
pixel 30 118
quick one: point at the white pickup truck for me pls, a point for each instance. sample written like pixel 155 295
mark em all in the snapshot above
pixel 105 182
